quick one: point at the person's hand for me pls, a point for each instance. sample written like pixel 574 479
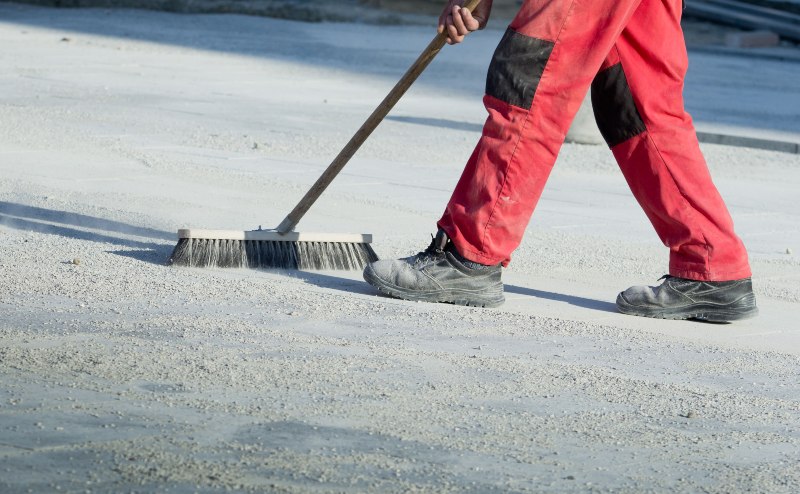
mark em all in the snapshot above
pixel 457 22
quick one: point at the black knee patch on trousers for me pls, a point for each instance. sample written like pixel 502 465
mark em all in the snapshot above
pixel 517 67
pixel 614 109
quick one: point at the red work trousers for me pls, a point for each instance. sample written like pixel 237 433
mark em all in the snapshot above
pixel 633 56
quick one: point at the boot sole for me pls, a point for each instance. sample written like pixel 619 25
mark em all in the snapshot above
pixel 702 312
pixel 458 297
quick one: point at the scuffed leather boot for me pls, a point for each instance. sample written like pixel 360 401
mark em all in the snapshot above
pixel 438 274
pixel 680 298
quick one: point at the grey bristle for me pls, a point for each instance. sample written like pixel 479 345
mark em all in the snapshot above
pixel 198 252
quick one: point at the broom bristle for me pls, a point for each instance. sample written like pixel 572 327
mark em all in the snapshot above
pixel 276 254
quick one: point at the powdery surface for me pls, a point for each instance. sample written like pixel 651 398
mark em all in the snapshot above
pixel 120 374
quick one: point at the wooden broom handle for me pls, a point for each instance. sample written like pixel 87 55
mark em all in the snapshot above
pixel 366 129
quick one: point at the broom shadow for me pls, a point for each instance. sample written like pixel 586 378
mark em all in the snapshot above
pixel 332 282
pixel 66 224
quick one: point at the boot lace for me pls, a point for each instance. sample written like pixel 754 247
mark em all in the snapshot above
pixel 434 251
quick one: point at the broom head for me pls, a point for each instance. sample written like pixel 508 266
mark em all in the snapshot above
pixel 270 249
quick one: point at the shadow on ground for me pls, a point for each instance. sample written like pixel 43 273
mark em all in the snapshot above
pixel 159 254
pixel 84 227
pixel 586 303
pixel 361 287
pixel 250 35
pixel 438 122
pixel 323 280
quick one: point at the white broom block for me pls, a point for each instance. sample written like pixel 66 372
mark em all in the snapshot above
pixel 268 235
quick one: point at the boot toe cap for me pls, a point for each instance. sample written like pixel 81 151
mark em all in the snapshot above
pixel 395 273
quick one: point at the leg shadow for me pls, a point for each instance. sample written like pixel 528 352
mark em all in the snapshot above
pixel 586 303
pixel 363 288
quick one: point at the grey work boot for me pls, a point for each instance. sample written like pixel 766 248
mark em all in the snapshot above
pixel 679 298
pixel 439 274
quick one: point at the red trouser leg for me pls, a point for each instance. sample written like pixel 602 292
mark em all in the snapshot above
pixel 540 72
pixel 640 86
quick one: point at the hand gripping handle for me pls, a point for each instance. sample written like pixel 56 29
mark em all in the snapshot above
pixel 366 129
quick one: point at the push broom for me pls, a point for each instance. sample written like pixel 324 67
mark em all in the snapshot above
pixel 284 248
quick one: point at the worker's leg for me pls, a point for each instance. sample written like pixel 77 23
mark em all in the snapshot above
pixel 638 103
pixel 538 77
